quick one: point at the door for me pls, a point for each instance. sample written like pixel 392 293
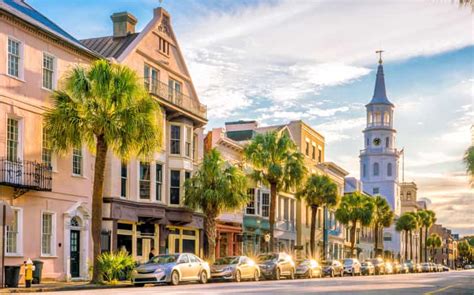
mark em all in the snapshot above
pixel 185 267
pixel 75 242
pixel 245 268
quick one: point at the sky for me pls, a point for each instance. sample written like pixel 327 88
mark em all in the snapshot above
pixel 281 60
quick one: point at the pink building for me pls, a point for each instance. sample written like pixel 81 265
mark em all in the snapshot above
pixel 49 193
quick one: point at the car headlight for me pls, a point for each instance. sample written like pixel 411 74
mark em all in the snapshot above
pixel 158 270
pixel 228 269
pixel 134 272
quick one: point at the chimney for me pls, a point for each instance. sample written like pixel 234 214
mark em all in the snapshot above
pixel 124 23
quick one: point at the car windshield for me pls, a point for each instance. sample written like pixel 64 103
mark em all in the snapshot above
pixel 227 260
pixel 307 262
pixel 163 259
pixel 364 264
pixel 348 261
pixel 266 257
pixel 327 263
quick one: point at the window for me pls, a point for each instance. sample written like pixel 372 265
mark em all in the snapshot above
pixel 151 79
pixel 158 181
pixel 174 91
pixel 389 169
pixel 387 142
pixel 375 190
pixel 320 155
pixel 189 134
pixel 259 198
pixel 286 209
pixel 265 204
pixel 46 153
pixel 48 71
pixel 123 179
pixel 313 154
pixel 47 232
pixel 307 149
pixel 367 142
pixel 12 140
pixel 364 170
pixel 251 204
pixel 175 139
pixel 387 237
pixel 164 46
pixel 195 145
pixel 77 161
pixel 13 232
pixel 14 58
pixel 144 181
pixel 376 169
pixel 175 187
pixel 408 196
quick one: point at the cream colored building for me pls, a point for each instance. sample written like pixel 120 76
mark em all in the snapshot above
pixel 50 194
pixel 143 200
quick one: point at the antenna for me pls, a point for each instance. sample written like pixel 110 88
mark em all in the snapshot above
pixel 379 52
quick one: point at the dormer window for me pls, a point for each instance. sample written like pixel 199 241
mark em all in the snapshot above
pixel 164 46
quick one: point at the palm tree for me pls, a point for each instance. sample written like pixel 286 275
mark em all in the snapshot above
pixel 404 224
pixel 276 163
pixel 413 228
pixel 383 217
pixel 318 191
pixel 434 242
pixel 469 161
pixel 106 108
pixel 355 209
pixel 427 224
pixel 425 219
pixel 215 187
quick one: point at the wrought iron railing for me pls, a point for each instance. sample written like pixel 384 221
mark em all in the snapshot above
pixel 25 174
pixel 177 98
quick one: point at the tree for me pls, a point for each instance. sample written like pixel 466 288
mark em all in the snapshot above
pixel 405 223
pixel 319 191
pixel 427 224
pixel 413 228
pixel 276 163
pixel 465 251
pixel 105 107
pixel 216 187
pixel 383 217
pixel 355 209
pixel 434 242
pixel 469 161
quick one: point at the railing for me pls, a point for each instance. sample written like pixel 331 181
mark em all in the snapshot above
pixel 379 150
pixel 379 124
pixel 177 98
pixel 25 175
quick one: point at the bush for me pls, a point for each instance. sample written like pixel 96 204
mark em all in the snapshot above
pixel 115 266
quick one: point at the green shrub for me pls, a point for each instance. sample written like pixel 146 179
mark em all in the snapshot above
pixel 115 266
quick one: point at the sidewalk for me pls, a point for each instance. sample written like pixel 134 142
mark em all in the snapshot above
pixel 63 286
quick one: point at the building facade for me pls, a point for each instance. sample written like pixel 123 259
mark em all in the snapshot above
pixel 143 200
pixel 446 254
pixel 49 193
pixel 379 160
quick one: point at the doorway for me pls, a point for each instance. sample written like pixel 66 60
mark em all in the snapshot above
pixel 75 242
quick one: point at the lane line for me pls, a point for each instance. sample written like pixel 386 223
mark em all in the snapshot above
pixel 440 290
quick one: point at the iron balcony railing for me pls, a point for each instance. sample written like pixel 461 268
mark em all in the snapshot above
pixel 177 98
pixel 25 174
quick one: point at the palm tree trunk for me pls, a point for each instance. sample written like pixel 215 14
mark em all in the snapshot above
pixel 406 245
pixel 376 242
pixel 325 233
pixel 353 238
pixel 312 236
pixel 411 246
pixel 421 244
pixel 210 228
pixel 426 248
pixel 98 187
pixel 271 221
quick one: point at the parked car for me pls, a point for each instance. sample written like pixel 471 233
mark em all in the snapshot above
pixel 333 268
pixel 309 268
pixel 434 268
pixel 172 269
pixel 276 265
pixel 379 266
pixel 388 268
pixel 404 268
pixel 425 267
pixel 352 266
pixel 235 268
pixel 397 267
pixel 411 266
pixel 446 268
pixel 367 268
pixel 418 267
pixel 439 267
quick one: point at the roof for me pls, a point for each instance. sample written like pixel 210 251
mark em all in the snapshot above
pixel 240 122
pixel 240 135
pixel 109 46
pixel 380 93
pixel 24 11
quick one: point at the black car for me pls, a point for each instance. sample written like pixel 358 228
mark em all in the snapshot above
pixel 379 266
pixel 276 265
pixel 333 268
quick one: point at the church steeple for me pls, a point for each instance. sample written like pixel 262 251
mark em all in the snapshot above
pixel 380 94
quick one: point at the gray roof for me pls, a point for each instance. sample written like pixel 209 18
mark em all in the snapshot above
pixel 109 46
pixel 24 11
pixel 380 94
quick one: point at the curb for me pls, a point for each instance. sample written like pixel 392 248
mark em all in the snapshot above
pixel 64 288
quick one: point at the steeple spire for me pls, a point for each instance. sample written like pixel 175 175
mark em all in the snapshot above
pixel 380 94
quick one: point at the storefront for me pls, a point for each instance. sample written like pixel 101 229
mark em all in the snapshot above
pixel 183 240
pixel 229 240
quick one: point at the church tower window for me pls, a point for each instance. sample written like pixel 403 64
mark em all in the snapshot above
pixel 387 142
pixel 389 169
pixel 376 169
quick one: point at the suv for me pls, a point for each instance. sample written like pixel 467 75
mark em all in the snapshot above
pixel 351 266
pixel 333 268
pixel 379 266
pixel 276 265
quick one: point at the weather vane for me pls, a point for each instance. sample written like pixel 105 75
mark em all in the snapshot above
pixel 379 52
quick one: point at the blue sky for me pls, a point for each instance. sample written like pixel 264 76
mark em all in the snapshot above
pixel 283 60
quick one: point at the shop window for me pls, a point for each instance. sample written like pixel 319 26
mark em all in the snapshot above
pixel 187 232
pixel 189 246
pixel 175 187
pixel 124 243
pixel 124 226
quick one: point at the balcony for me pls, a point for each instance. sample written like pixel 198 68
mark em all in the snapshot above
pixel 25 175
pixel 379 150
pixel 177 98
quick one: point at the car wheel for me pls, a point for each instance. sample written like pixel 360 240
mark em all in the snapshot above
pixel 256 277
pixel 203 277
pixel 332 273
pixel 277 274
pixel 138 285
pixel 174 278
pixel 292 274
pixel 238 276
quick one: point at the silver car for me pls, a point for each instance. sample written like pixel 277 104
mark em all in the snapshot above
pixel 235 268
pixel 171 269
pixel 309 268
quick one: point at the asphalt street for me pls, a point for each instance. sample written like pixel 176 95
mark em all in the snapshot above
pixel 453 282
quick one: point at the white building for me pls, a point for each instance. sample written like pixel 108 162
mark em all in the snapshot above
pixel 379 160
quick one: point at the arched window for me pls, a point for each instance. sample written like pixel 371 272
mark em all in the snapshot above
pixel 389 169
pixel 376 169
pixel 387 142
pixel 364 170
pixel 75 221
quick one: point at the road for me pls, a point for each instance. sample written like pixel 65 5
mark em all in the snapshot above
pixel 454 282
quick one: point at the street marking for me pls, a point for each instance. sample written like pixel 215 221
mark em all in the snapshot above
pixel 440 290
